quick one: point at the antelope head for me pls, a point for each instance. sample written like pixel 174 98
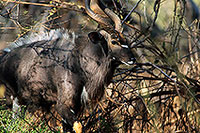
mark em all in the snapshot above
pixel 118 46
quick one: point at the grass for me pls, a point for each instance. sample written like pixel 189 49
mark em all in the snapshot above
pixel 142 97
pixel 12 122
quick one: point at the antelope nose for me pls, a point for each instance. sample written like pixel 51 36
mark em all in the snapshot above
pixel 132 61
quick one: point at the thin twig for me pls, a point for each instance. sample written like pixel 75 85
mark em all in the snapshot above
pixel 65 5
pixel 136 5
pixel 162 72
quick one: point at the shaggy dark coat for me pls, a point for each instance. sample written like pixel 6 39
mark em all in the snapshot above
pixel 60 68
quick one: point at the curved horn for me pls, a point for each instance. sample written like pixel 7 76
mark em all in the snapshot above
pixel 94 5
pixel 95 16
pixel 116 19
pixel 113 17
pixel 108 12
pixel 106 35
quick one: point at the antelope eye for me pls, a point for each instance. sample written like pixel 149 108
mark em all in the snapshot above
pixel 113 36
pixel 114 42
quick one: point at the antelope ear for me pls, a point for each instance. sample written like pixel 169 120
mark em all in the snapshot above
pixel 97 38
pixel 94 37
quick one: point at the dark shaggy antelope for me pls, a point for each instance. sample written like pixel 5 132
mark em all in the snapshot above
pixel 63 69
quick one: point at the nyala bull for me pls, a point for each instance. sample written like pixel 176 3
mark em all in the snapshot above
pixel 63 69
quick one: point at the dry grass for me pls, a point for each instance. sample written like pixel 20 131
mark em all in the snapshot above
pixel 160 93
